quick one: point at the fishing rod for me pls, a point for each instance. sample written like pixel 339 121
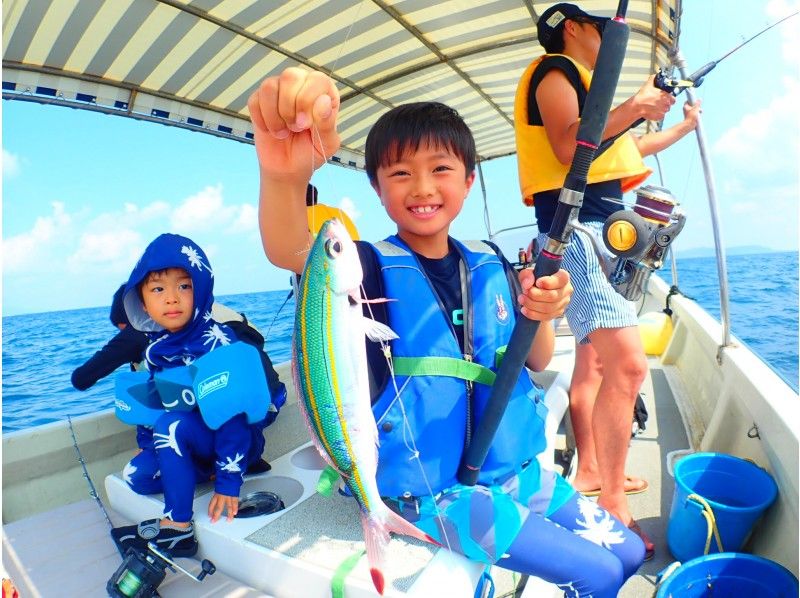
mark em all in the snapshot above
pixel 92 489
pixel 593 123
pixel 676 86
pixel 141 572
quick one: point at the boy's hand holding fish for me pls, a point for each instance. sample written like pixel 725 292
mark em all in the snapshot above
pixel 294 121
pixel 289 111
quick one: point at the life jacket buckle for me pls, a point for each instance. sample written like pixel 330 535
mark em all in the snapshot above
pixel 408 501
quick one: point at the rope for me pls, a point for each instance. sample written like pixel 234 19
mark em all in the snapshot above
pixel 711 523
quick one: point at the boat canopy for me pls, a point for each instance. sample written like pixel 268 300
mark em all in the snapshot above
pixel 193 63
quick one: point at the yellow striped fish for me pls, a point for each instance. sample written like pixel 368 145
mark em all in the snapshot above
pixel 329 364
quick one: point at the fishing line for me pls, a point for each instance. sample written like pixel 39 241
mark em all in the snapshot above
pixel 408 432
pixel 92 489
pixel 314 128
pixel 280 309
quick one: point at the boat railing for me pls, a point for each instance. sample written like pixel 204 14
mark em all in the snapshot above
pixel 719 247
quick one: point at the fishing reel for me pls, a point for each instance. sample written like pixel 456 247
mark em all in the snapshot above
pixel 671 85
pixel 141 572
pixel 639 239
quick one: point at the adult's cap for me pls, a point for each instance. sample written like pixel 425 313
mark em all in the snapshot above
pixel 552 21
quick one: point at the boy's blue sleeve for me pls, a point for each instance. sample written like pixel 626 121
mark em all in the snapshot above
pixel 232 445
pixel 144 437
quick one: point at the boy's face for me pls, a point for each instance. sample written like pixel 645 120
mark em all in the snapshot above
pixel 168 298
pixel 422 194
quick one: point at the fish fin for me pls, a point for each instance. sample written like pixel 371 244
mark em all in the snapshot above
pixel 376 538
pixel 395 523
pixel 377 332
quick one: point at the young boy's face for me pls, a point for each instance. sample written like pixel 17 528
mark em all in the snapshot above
pixel 423 193
pixel 168 298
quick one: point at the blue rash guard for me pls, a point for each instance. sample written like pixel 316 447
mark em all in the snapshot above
pixel 182 449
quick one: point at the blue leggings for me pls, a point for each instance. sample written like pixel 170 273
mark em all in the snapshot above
pixel 534 523
pixel 580 547
pixel 177 458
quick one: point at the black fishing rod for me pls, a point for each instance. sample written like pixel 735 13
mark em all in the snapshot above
pixel 570 200
pixel 676 86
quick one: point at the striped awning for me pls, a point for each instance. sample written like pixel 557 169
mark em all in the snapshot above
pixel 193 63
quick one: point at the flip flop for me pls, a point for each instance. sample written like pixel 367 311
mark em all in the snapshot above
pixel 638 489
pixel 649 547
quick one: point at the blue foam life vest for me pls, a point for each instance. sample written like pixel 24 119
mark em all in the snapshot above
pixel 221 384
pixel 136 401
pixel 442 410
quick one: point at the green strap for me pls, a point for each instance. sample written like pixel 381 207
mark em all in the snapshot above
pixel 443 366
pixel 327 480
pixel 342 571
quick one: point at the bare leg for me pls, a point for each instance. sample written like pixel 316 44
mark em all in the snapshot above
pixel 586 379
pixel 624 369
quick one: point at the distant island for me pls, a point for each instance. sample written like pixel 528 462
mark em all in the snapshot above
pixel 739 250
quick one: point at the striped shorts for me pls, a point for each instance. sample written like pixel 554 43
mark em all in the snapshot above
pixel 594 303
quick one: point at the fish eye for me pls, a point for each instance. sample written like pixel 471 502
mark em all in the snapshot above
pixel 333 247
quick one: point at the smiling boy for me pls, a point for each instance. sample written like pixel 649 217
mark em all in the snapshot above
pixel 453 310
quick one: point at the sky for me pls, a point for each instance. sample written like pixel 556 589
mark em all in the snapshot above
pixel 83 193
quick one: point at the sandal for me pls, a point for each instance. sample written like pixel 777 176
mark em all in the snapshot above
pixel 649 547
pixel 632 486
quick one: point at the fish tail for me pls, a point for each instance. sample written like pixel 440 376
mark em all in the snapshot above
pixel 376 537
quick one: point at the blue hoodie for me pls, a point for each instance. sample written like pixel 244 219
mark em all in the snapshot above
pixel 201 335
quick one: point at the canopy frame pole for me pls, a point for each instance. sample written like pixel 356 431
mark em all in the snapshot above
pixel 719 247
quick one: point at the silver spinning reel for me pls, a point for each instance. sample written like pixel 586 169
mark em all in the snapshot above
pixel 639 239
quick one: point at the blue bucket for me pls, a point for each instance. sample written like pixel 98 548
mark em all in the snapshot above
pixel 729 575
pixel 737 491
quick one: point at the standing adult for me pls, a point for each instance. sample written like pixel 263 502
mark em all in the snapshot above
pixel 610 364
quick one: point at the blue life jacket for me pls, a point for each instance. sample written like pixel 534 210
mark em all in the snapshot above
pixel 444 392
pixel 221 384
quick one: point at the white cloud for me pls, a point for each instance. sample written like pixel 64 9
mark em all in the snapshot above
pixel 348 206
pixel 111 251
pixel 246 221
pixel 32 250
pixel 789 30
pixel 152 211
pixel 766 138
pixel 206 211
pixel 114 240
pixel 202 211
pixel 745 207
pixel 11 164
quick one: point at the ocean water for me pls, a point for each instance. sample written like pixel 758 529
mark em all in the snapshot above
pixel 41 350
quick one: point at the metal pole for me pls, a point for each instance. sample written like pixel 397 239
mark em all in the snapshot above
pixel 719 246
pixel 486 220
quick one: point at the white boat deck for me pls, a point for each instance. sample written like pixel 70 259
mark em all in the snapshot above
pixel 67 552
pixel 307 542
pixel 56 541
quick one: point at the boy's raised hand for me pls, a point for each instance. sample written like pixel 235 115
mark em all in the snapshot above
pixel 294 120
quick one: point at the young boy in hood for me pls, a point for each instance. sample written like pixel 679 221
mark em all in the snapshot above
pixel 169 297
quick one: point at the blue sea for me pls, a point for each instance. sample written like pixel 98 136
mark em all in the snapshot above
pixel 41 350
